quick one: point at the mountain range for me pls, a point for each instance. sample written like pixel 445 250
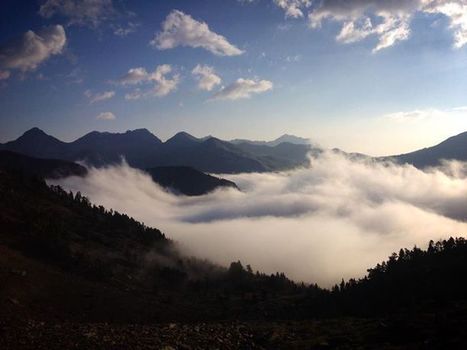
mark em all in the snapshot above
pixel 143 150
pixel 284 138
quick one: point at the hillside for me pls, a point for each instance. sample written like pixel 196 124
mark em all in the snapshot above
pixel 47 168
pixel 454 148
pixel 84 262
pixel 188 181
pixel 73 273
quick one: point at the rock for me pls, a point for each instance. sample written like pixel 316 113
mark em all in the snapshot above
pixel 13 301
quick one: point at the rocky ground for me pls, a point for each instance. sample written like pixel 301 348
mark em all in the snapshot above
pixel 424 333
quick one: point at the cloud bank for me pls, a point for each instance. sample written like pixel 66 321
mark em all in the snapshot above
pixel 331 221
pixel 180 29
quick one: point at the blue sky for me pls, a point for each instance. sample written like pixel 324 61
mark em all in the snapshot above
pixel 379 79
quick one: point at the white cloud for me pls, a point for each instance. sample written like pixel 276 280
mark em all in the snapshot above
pixel 388 20
pixel 99 96
pixel 352 32
pixel 163 84
pixel 331 221
pixel 31 49
pixel 206 76
pixel 456 11
pixel 106 116
pixel 4 74
pixel 243 88
pixel 424 114
pixel 134 76
pixel 180 29
pixel 80 12
pixel 293 8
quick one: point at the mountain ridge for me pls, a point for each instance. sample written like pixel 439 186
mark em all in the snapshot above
pixel 453 148
pixel 143 150
pixel 281 139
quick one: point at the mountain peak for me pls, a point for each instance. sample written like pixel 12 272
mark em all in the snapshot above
pixel 182 136
pixel 292 139
pixel 129 136
pixel 35 132
pixel 37 135
pixel 140 131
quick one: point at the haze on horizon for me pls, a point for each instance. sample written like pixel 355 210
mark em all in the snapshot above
pixel 373 77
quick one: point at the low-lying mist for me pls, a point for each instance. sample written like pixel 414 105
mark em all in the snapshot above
pixel 333 220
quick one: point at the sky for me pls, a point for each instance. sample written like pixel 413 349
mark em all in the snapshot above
pixel 378 77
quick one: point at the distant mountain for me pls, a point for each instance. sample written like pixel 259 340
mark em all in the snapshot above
pixel 183 138
pixel 143 150
pixel 284 138
pixel 209 155
pixel 188 181
pixel 37 143
pixel 454 148
pixel 282 156
pixel 47 168
pixel 100 148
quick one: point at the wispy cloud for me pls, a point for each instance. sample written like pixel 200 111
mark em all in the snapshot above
pixel 243 88
pixel 99 96
pixel 424 114
pixel 106 116
pixel 79 12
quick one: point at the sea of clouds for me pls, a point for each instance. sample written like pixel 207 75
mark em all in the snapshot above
pixel 333 220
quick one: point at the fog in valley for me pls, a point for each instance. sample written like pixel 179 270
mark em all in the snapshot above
pixel 333 220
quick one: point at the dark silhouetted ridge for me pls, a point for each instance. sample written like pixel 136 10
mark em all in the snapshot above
pixel 454 148
pixel 47 168
pixel 188 181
